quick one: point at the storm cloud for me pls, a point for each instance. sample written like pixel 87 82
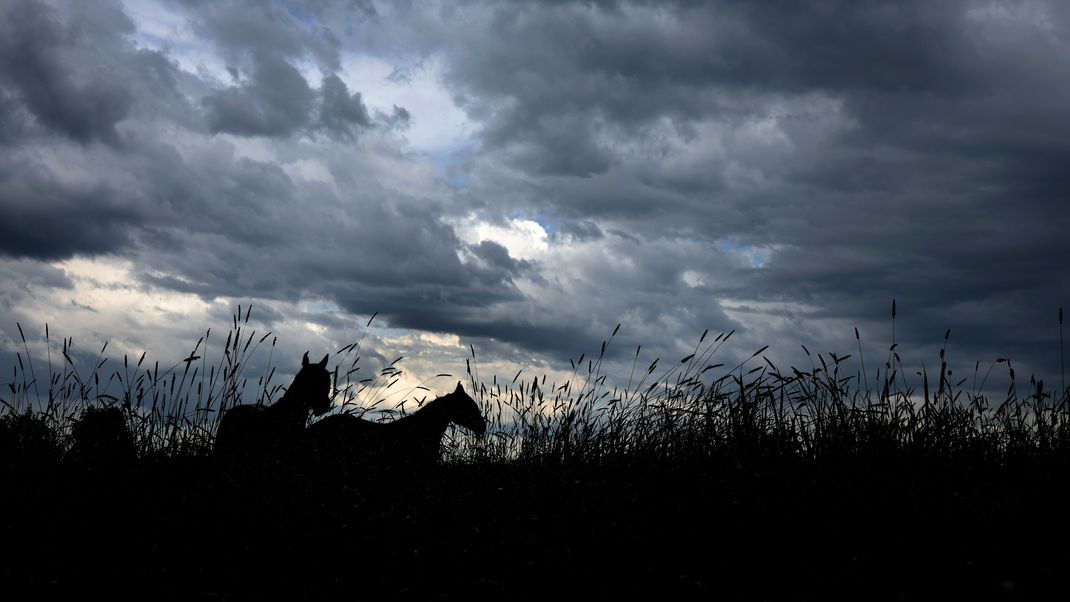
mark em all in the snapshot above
pixel 783 169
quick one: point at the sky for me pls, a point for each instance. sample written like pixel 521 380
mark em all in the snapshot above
pixel 516 179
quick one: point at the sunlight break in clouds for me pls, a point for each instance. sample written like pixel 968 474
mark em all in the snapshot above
pixel 437 124
pixel 522 238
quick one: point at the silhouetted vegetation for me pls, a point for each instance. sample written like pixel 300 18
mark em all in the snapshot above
pixel 694 478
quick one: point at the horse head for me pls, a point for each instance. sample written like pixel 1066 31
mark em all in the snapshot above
pixel 465 411
pixel 313 384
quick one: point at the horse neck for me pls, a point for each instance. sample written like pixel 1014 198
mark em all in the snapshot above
pixel 289 408
pixel 434 416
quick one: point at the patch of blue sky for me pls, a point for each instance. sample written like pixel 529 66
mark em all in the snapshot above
pixel 152 41
pixel 322 307
pixel 450 163
pixel 550 225
pixel 303 16
pixel 756 256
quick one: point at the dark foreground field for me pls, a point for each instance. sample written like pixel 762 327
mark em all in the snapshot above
pixel 756 485
pixel 757 527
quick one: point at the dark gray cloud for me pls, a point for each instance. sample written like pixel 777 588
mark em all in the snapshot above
pixel 15 121
pixel 342 114
pixel 262 43
pixel 581 230
pixel 45 219
pixel 276 101
pixel 497 256
pixel 240 27
pixel 399 118
pixel 50 61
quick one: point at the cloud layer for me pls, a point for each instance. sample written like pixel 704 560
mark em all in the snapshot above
pixel 783 169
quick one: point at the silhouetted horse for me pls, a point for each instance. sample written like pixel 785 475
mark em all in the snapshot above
pixel 101 436
pixel 255 430
pixel 343 439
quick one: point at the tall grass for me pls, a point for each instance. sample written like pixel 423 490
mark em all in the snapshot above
pixel 692 408
pixel 831 408
pixel 172 410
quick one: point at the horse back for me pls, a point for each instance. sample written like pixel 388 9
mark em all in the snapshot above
pixel 344 439
pixel 243 429
pixel 344 433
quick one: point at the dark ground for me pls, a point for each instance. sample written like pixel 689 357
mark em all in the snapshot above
pixel 898 526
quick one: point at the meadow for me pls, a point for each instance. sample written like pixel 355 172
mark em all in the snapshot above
pixel 690 479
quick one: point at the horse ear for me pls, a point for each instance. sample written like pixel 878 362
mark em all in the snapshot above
pixel 304 360
pixel 323 362
pixel 459 388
